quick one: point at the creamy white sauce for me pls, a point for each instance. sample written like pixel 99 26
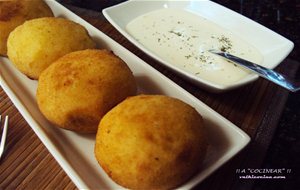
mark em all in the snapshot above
pixel 183 38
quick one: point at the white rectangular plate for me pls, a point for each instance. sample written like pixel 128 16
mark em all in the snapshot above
pixel 273 47
pixel 75 152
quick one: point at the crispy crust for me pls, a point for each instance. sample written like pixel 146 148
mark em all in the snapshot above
pixel 37 43
pixel 79 88
pixel 151 142
pixel 16 12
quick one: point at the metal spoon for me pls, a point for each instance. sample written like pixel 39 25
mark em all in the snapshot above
pixel 269 74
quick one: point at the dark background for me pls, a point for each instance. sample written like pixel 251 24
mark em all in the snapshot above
pixel 283 17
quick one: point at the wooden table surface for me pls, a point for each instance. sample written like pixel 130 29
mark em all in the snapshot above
pixel 254 108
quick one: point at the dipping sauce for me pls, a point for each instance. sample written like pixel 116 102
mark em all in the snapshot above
pixel 182 38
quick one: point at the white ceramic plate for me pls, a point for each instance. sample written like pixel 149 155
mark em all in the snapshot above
pixel 273 47
pixel 75 152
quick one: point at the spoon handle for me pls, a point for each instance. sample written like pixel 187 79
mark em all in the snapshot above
pixel 264 72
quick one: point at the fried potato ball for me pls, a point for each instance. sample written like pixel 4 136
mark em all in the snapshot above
pixel 78 89
pixel 34 45
pixel 15 12
pixel 151 142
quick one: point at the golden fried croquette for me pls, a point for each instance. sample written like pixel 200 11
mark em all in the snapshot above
pixel 15 12
pixel 151 142
pixel 78 89
pixel 34 45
